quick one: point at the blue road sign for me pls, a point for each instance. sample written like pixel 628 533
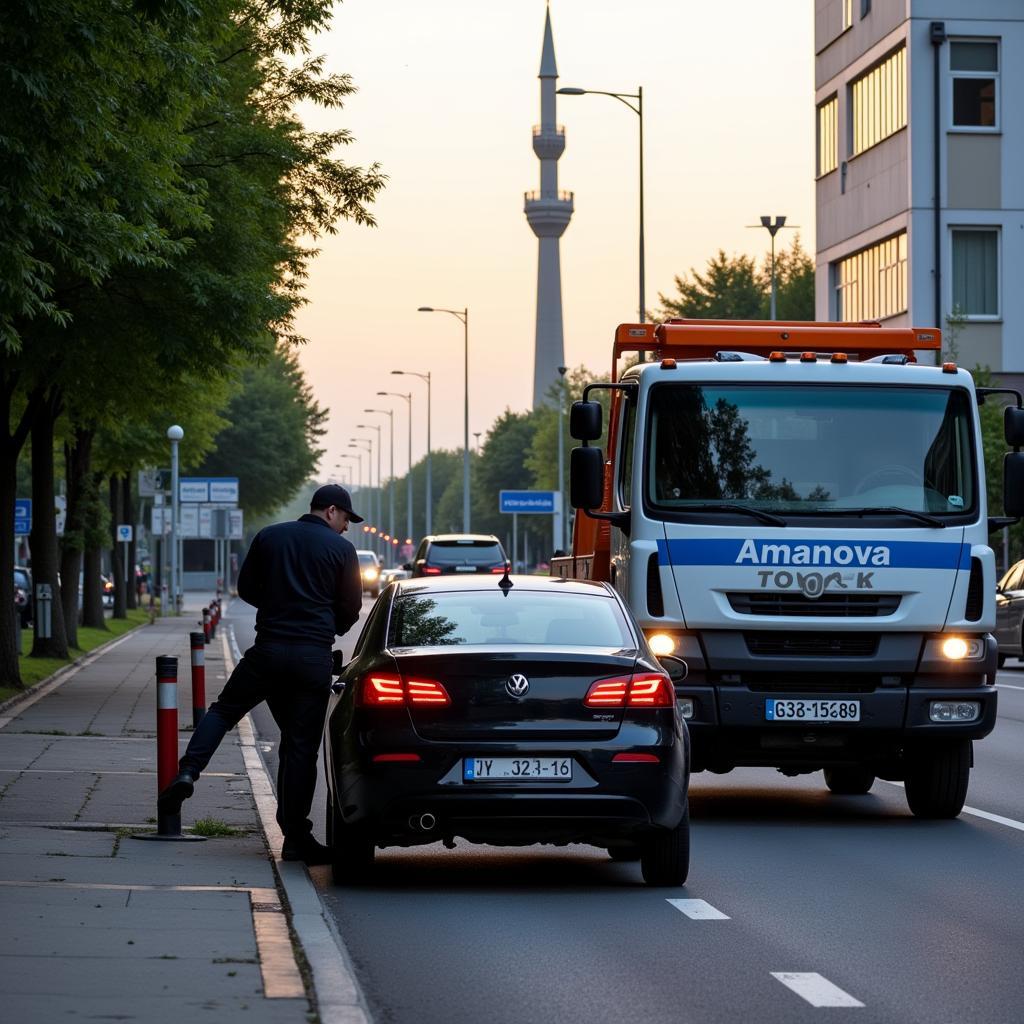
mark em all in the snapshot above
pixel 22 517
pixel 527 502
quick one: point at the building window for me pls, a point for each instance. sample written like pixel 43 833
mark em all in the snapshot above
pixel 974 67
pixel 828 136
pixel 865 8
pixel 847 14
pixel 878 103
pixel 872 284
pixel 976 272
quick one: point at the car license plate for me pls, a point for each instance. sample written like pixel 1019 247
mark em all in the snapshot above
pixel 812 710
pixel 465 568
pixel 517 769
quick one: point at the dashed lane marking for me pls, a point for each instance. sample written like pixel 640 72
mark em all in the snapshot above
pixel 699 910
pixel 977 812
pixel 818 991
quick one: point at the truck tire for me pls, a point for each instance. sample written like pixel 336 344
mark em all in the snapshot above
pixel 665 856
pixel 937 778
pixel 851 781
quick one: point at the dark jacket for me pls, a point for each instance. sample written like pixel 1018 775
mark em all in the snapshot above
pixel 304 579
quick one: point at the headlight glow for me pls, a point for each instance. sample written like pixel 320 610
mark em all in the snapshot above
pixel 370 574
pixel 662 643
pixel 955 648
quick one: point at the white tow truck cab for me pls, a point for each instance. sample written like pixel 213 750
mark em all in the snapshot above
pixel 798 511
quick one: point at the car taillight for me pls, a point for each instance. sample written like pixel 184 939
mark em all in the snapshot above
pixel 645 690
pixel 388 689
pixel 498 570
pixel 635 759
pixel 430 570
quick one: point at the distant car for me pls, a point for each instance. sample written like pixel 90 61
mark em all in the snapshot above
pixel 23 595
pixel 1009 631
pixel 526 710
pixel 391 575
pixel 456 553
pixel 369 569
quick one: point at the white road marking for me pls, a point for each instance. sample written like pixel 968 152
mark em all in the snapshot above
pixel 699 910
pixel 987 815
pixel 818 991
pixel 1008 686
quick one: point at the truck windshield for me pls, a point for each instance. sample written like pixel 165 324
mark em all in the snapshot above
pixel 810 448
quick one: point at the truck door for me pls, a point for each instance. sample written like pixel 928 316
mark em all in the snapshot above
pixel 622 497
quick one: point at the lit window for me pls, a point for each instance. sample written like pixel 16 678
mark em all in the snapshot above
pixel 828 136
pixel 976 272
pixel 878 103
pixel 872 284
pixel 974 67
pixel 847 14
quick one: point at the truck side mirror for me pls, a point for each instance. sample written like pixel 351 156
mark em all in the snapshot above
pixel 1013 483
pixel 586 476
pixel 1013 426
pixel 585 421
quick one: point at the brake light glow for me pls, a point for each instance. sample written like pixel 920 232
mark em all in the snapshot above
pixel 502 569
pixel 430 570
pixel 635 759
pixel 389 689
pixel 644 690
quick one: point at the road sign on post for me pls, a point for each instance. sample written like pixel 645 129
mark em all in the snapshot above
pixel 541 503
pixel 22 517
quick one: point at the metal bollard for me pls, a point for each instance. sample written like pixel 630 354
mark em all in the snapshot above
pixel 168 826
pixel 214 617
pixel 197 643
pixel 206 625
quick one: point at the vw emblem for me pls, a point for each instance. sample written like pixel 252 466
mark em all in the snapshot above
pixel 517 686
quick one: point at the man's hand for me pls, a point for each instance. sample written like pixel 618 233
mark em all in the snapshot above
pixel 337 662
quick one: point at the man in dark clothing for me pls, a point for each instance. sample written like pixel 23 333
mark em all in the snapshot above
pixel 303 578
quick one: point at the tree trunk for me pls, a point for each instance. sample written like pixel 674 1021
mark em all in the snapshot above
pixel 92 589
pixel 45 550
pixel 128 516
pixel 11 443
pixel 117 559
pixel 77 456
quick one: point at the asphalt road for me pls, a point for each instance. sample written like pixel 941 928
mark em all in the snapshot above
pixel 800 905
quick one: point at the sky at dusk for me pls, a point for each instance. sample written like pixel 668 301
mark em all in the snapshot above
pixel 448 93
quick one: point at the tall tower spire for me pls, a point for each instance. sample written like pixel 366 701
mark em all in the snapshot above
pixel 548 212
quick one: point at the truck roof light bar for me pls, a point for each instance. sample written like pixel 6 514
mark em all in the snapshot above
pixel 949 367
pixel 840 357
pixel 808 357
pixel 777 357
pixel 668 364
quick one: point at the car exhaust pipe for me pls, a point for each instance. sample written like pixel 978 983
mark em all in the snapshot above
pixel 423 822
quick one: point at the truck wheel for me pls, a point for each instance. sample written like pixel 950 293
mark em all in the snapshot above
pixel 665 856
pixel 937 779
pixel 849 781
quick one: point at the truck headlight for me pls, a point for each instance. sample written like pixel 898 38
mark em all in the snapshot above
pixel 662 643
pixel 955 648
pixel 954 710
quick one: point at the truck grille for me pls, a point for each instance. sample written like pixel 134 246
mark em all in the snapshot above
pixel 822 645
pixel 838 606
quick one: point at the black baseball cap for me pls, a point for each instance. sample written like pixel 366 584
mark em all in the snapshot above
pixel 334 494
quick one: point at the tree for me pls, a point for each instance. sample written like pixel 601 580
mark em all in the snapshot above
pixel 271 442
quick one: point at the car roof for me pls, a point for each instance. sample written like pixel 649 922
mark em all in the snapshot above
pixel 468 537
pixel 366 551
pixel 520 584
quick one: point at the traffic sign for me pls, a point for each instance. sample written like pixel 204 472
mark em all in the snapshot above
pixel 124 533
pixel 22 517
pixel 527 502
pixel 153 482
pixel 221 490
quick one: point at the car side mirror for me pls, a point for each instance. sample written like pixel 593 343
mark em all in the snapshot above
pixel 676 668
pixel 1013 426
pixel 1013 484
pixel 337 687
pixel 585 421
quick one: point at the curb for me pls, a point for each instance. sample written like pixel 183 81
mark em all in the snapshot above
pixel 339 999
pixel 61 676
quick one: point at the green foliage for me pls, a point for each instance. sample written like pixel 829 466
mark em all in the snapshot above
pixel 271 442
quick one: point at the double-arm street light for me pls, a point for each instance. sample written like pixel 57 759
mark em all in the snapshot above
pixel 408 476
pixel 625 97
pixel 390 413
pixel 773 225
pixel 463 315
pixel 430 494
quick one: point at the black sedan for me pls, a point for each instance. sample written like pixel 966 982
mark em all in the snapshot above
pixel 514 711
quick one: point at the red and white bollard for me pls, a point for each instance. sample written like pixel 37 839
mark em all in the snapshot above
pixel 207 625
pixel 197 642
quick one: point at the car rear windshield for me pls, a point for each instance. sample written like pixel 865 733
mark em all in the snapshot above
pixel 526 617
pixel 367 558
pixel 456 552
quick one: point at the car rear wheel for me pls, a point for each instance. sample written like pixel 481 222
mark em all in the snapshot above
pixel 665 856
pixel 937 779
pixel 624 852
pixel 849 781
pixel 352 849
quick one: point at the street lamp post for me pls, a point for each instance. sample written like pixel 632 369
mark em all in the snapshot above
pixel 773 227
pixel 358 442
pixel 408 475
pixel 430 482
pixel 462 315
pixel 625 97
pixel 560 541
pixel 390 413
pixel 174 435
pixel 380 514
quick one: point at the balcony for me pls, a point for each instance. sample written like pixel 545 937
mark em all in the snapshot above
pixel 548 143
pixel 548 212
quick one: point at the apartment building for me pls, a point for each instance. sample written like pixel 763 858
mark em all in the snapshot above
pixel 920 170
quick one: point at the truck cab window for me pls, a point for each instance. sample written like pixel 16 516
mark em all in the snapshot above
pixel 626 445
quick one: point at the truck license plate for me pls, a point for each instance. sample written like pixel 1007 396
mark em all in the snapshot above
pixel 526 769
pixel 811 710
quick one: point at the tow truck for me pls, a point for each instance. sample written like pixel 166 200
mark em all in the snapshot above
pixel 798 511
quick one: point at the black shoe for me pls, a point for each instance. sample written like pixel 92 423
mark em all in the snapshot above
pixel 179 790
pixel 308 850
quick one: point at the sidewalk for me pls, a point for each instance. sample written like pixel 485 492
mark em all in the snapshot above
pixel 99 925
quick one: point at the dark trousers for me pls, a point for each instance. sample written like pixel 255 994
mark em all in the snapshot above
pixel 295 681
